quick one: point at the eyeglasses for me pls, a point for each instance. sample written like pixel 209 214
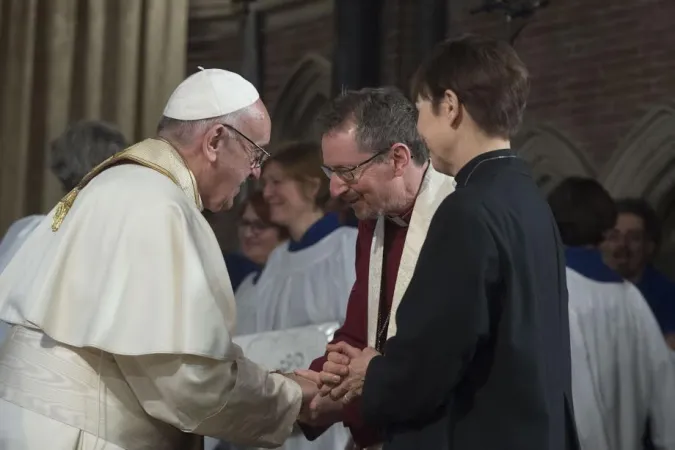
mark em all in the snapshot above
pixel 256 226
pixel 259 153
pixel 348 174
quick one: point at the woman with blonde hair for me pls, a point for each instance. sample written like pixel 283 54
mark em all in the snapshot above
pixel 308 278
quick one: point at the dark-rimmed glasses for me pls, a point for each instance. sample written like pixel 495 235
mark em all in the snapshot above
pixel 347 174
pixel 259 153
pixel 256 226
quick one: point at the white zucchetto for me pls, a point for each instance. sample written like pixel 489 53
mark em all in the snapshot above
pixel 210 93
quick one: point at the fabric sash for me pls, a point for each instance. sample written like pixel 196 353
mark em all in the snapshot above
pixel 61 383
pixel 155 154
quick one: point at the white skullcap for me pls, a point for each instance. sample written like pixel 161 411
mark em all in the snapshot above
pixel 210 93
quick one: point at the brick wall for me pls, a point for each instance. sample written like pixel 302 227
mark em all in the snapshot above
pixel 284 48
pixel 596 66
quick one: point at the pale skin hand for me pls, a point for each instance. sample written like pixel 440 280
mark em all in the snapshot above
pixel 344 372
pixel 322 411
pixel 309 391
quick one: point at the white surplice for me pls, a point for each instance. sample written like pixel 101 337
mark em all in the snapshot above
pixel 434 189
pixel 300 288
pixel 15 237
pixel 305 287
pixel 246 305
pixel 623 371
pixel 123 310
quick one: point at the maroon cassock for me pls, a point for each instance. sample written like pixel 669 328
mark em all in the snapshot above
pixel 355 329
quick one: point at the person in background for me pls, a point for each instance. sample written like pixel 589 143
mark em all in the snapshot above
pixel 258 237
pixel 307 279
pixel 81 147
pixel 623 375
pixel 630 248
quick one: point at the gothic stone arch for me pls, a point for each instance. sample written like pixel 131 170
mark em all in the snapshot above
pixel 302 95
pixel 551 155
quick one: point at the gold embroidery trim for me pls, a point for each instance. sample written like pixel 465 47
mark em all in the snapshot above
pixel 64 205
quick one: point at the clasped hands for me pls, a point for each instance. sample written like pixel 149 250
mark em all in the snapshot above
pixel 340 382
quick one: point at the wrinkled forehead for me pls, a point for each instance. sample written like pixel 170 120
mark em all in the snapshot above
pixel 256 124
pixel 339 148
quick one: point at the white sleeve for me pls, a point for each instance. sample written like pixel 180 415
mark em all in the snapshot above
pixel 234 400
pixel 656 359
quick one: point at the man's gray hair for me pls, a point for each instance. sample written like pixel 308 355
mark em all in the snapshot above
pixel 81 147
pixel 183 131
pixel 382 116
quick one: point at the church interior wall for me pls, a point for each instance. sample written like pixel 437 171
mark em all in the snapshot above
pixel 598 70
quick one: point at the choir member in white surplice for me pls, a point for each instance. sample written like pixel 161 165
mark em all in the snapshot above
pixel 306 279
pixel 81 147
pixel 121 300
pixel 258 237
pixel 625 374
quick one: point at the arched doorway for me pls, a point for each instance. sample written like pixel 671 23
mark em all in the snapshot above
pixel 302 96
pixel 551 155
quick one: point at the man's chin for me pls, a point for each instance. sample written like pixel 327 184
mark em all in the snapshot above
pixel 362 211
pixel 224 206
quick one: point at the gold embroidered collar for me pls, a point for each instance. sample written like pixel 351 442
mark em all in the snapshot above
pixel 156 154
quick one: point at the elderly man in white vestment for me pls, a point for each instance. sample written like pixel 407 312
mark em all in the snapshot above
pixel 80 148
pixel 623 371
pixel 121 300
pixel 379 165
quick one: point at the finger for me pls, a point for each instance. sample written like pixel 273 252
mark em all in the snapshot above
pixel 339 391
pixel 325 390
pixel 314 404
pixel 344 348
pixel 329 378
pixel 336 368
pixel 310 375
pixel 338 358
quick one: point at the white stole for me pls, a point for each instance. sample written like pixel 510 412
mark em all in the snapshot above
pixel 435 187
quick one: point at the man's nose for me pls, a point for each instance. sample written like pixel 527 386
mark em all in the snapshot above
pixel 337 186
pixel 255 173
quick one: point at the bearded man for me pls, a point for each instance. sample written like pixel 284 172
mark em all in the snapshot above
pixel 379 165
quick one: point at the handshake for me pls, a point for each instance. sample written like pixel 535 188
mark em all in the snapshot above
pixel 341 380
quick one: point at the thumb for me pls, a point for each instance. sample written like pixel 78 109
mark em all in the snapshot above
pixel 308 375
